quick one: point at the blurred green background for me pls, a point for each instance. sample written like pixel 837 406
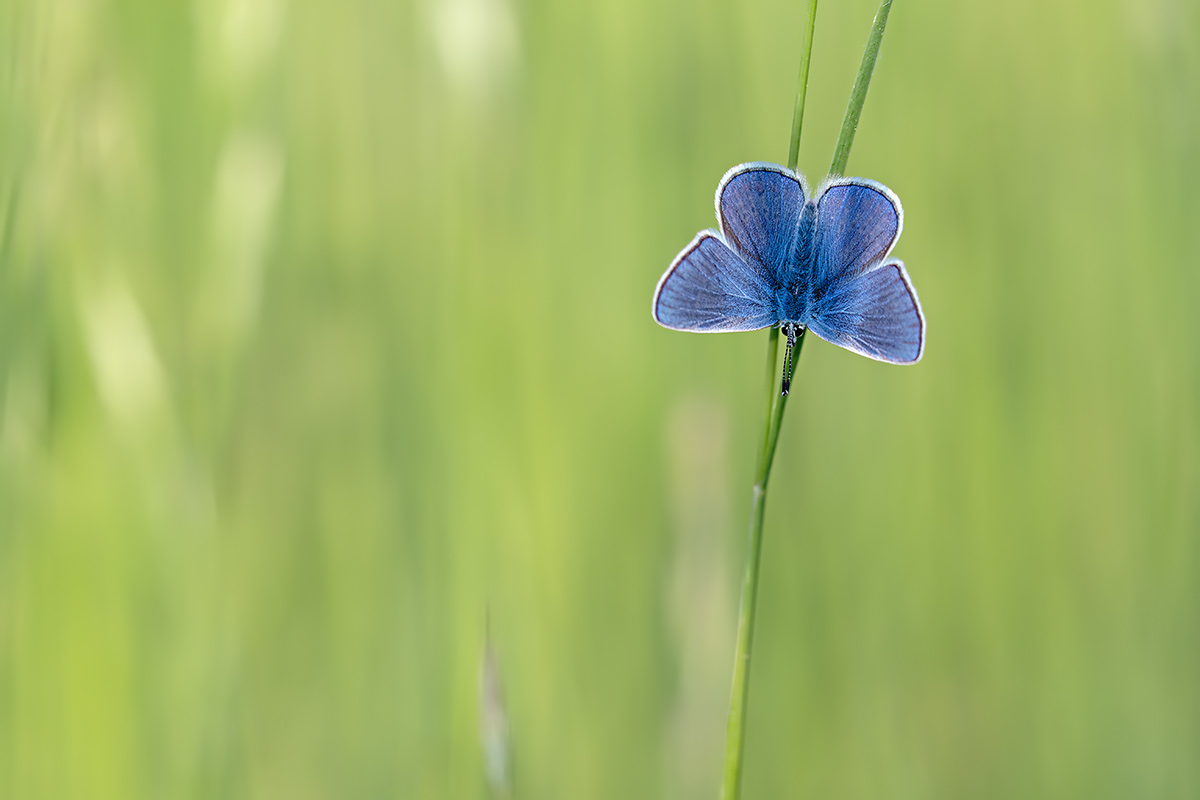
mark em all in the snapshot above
pixel 325 338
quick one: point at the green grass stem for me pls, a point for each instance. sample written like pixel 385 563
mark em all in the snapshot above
pixel 858 94
pixel 735 736
pixel 802 85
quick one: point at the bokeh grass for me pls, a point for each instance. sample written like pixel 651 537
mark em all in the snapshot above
pixel 324 328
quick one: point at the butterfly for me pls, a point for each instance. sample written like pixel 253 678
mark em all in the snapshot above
pixel 783 258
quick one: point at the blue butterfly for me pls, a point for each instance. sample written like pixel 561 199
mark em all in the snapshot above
pixel 783 259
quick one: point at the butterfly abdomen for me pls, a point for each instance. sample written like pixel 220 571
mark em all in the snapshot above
pixel 794 299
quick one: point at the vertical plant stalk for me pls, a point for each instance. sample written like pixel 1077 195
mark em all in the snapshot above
pixel 735 732
pixel 735 736
pixel 802 86
pixel 858 95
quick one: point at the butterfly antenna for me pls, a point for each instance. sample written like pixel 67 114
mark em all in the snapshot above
pixel 789 330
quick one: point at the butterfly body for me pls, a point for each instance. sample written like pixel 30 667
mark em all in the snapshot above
pixel 785 258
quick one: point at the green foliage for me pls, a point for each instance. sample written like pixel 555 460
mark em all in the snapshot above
pixel 324 328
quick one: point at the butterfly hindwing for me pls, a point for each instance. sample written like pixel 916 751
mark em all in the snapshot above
pixel 710 288
pixel 858 222
pixel 875 313
pixel 758 206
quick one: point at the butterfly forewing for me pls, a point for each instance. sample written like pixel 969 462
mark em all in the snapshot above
pixel 759 207
pixel 858 222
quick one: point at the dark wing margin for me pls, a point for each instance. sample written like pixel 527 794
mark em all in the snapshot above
pixel 858 223
pixel 710 289
pixel 876 314
pixel 758 207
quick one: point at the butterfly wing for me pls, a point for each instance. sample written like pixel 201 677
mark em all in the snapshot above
pixel 710 288
pixel 875 313
pixel 858 223
pixel 758 206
